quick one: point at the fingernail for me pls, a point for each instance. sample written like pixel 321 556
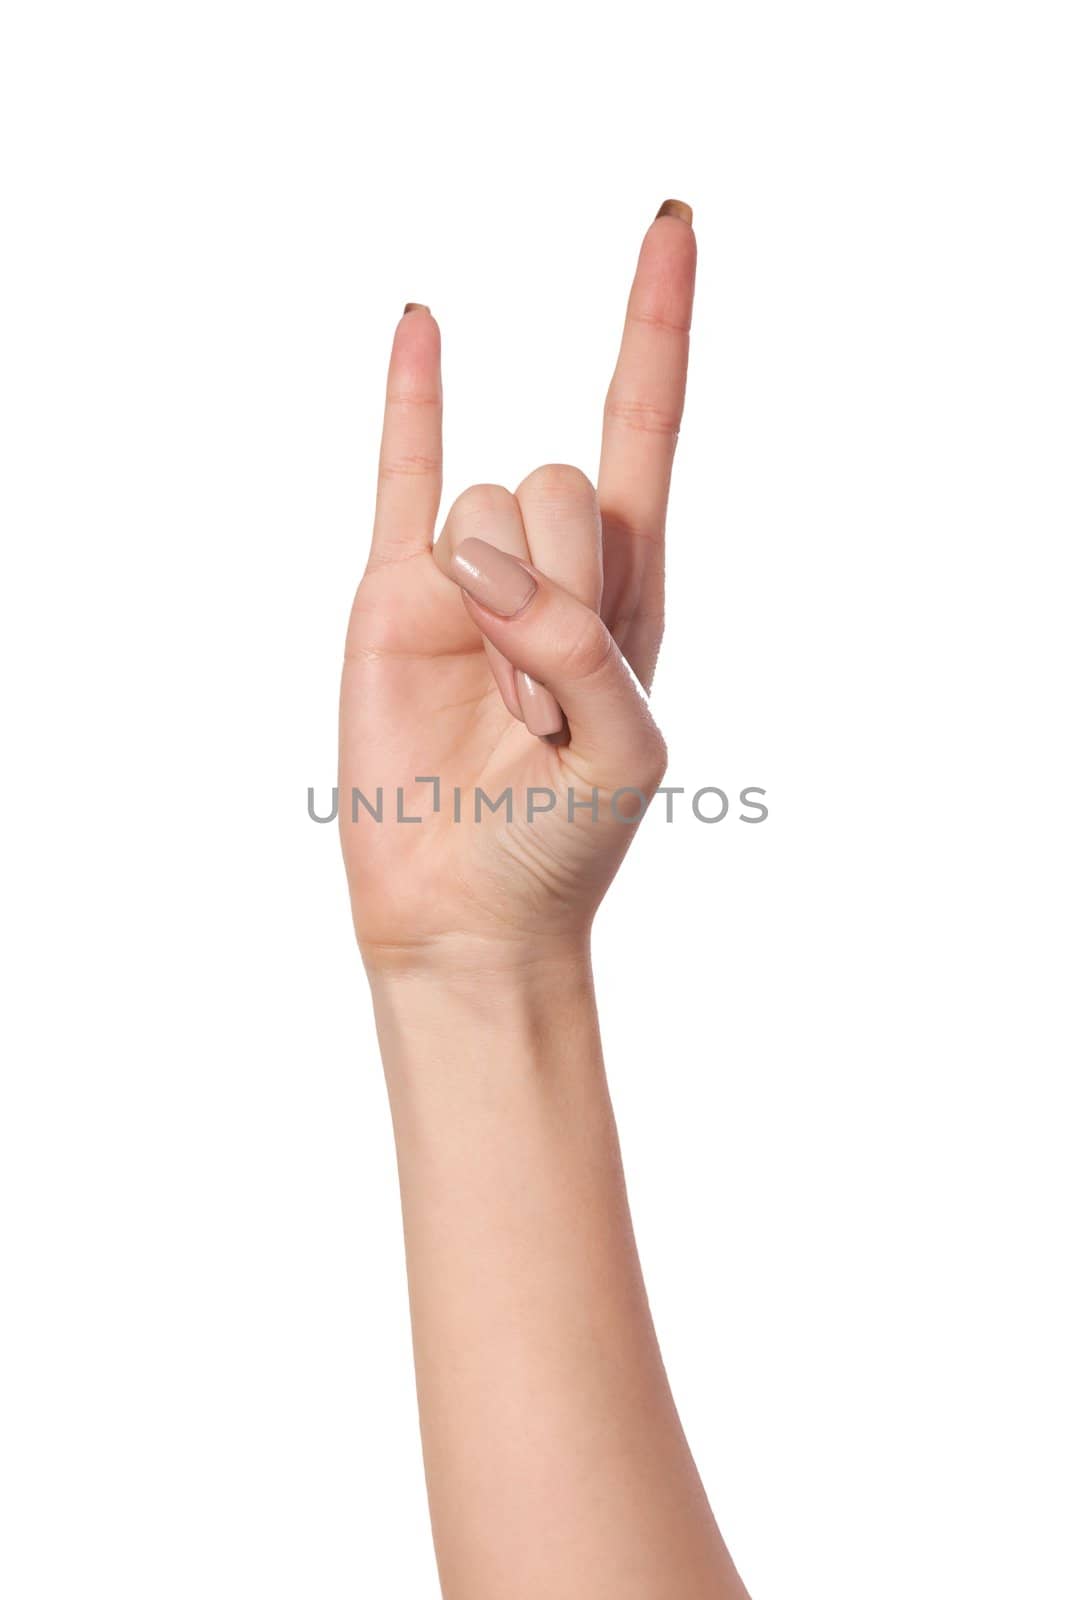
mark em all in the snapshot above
pixel 540 708
pixel 492 577
pixel 413 305
pixel 676 208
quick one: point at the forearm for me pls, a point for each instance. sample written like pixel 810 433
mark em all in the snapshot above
pixel 555 1462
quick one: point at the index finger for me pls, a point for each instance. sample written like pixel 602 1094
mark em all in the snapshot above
pixel 409 467
pixel 642 416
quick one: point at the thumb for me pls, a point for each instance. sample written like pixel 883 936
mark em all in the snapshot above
pixel 546 632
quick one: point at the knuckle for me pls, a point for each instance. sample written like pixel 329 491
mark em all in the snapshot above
pixel 408 466
pixel 481 503
pixel 400 400
pixel 660 321
pixel 557 481
pixel 646 755
pixel 641 416
pixel 589 651
pixel 656 754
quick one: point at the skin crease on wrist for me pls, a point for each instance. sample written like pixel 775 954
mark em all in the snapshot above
pixel 514 654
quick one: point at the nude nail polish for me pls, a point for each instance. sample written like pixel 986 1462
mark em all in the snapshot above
pixel 493 578
pixel 676 208
pixel 414 305
pixel 540 708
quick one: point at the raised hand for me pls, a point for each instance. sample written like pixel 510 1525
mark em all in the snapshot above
pixel 512 657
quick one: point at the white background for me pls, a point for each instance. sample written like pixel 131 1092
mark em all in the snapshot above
pixel 835 1040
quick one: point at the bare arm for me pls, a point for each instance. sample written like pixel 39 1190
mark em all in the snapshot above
pixel 555 1460
pixel 512 657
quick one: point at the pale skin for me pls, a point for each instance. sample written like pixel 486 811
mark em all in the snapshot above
pixel 556 1466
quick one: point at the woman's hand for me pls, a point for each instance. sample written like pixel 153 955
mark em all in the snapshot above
pixel 510 658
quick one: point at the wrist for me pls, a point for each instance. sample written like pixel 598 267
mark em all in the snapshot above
pixel 462 961
pixel 484 1015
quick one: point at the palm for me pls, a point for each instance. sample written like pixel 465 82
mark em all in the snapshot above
pixel 419 701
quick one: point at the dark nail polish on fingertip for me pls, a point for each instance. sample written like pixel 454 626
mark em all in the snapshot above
pixel 414 305
pixel 676 208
